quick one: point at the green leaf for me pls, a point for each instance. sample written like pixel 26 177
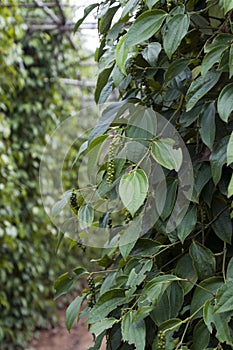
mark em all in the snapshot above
pixel 85 216
pixel 151 53
pixel 133 332
pixel 230 150
pixel 154 289
pixel 219 321
pixel 222 225
pixel 63 284
pixel 73 310
pixel 211 58
pixel 186 270
pixel 166 154
pixel 60 205
pixel 227 5
pixel 218 158
pixel 106 303
pixel 201 336
pixel 231 62
pixel 172 186
pixel 129 237
pixel 224 298
pixel 101 82
pixel 187 224
pixel 121 54
pixel 203 260
pixel 175 68
pixel 230 188
pixel 130 6
pixel 108 116
pixel 202 175
pixel 207 124
pixel 144 27
pixel 169 304
pixel 102 325
pixel 225 102
pixel 207 290
pixel 133 189
pixel 151 3
pixel 229 274
pixel 106 19
pixel 199 88
pixel 87 10
pixel 175 31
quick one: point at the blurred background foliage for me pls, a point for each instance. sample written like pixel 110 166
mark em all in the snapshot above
pixel 33 101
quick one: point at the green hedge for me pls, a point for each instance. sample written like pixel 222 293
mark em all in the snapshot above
pixel 31 105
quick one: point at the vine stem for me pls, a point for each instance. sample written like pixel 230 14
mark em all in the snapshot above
pixel 224 261
pixel 183 335
pixel 188 319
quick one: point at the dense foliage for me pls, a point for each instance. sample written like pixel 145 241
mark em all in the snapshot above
pixel 31 105
pixel 161 288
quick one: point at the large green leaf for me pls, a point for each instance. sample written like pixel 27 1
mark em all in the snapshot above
pixel 169 304
pixel 101 82
pixel 203 260
pixel 207 124
pixel 133 332
pixel 151 3
pixel 231 62
pixel 87 10
pixel 230 150
pixel 227 5
pixel 129 237
pixel 144 27
pixel 102 325
pixel 229 274
pixel 129 6
pixel 73 310
pixel 151 53
pixel 221 225
pixel 63 284
pixel 105 304
pixel 200 87
pixel 154 289
pixel 206 291
pixel 175 68
pixel 165 152
pixel 186 270
pixel 133 189
pixel 225 102
pixel 121 54
pixel 187 224
pixel 211 58
pixel 107 117
pixel 211 318
pixel 201 336
pixel 218 158
pixel 224 298
pixel 85 216
pixel 230 188
pixel 175 31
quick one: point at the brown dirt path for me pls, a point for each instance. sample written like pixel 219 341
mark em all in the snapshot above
pixel 59 338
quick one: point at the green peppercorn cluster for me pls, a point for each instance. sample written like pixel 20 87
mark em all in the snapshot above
pixel 91 285
pixel 145 88
pixel 132 70
pixel 169 4
pixel 73 201
pixel 128 217
pixel 161 341
pixel 111 163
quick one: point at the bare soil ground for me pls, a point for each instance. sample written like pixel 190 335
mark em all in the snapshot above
pixel 59 338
